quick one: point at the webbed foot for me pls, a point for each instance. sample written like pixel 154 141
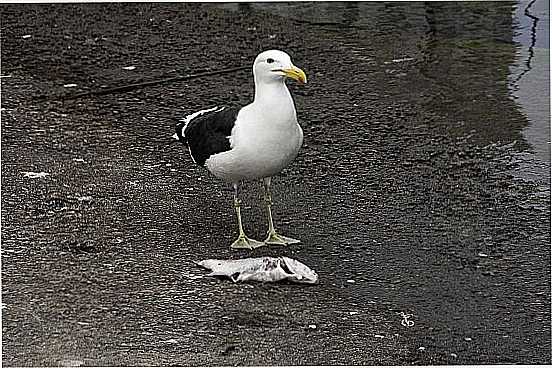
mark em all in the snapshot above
pixel 243 242
pixel 276 239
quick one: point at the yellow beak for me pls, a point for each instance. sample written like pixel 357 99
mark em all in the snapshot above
pixel 296 73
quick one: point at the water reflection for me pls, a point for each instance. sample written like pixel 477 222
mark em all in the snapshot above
pixel 533 41
pixel 463 52
pixel 530 86
pixel 351 13
pixel 467 51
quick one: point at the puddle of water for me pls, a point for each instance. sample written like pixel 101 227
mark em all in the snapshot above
pixel 530 86
pixel 380 16
pixel 467 51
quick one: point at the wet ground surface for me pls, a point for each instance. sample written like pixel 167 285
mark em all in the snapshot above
pixel 405 194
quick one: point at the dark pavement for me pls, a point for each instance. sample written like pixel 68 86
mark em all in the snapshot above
pixel 405 193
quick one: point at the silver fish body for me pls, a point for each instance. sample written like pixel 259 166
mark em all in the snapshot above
pixel 264 269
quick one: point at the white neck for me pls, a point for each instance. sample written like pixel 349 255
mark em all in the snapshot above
pixel 273 94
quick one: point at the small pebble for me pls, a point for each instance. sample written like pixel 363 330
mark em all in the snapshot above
pixel 401 60
pixel 421 348
pixel 467 339
pixel 351 281
pixel 313 327
pixel 70 363
pixel 33 175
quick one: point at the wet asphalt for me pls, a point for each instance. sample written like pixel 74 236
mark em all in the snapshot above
pixel 405 193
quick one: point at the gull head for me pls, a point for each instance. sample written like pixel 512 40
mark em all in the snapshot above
pixel 275 66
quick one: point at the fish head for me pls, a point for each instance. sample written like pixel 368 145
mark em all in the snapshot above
pixel 298 271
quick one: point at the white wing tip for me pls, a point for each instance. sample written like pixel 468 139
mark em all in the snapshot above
pixel 187 119
pixel 190 117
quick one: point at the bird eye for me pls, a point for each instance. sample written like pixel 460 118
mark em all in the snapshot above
pixel 270 60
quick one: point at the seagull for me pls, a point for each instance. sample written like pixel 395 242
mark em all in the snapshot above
pixel 254 142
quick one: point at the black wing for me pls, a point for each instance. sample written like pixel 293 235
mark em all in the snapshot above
pixel 207 134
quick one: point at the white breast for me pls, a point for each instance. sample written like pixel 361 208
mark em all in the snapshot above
pixel 263 143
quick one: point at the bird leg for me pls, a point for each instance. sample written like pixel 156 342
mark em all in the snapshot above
pixel 243 241
pixel 273 237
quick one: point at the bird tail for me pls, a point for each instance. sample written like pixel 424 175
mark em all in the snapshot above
pixel 179 131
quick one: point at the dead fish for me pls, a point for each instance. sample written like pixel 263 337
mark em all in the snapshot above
pixel 264 269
